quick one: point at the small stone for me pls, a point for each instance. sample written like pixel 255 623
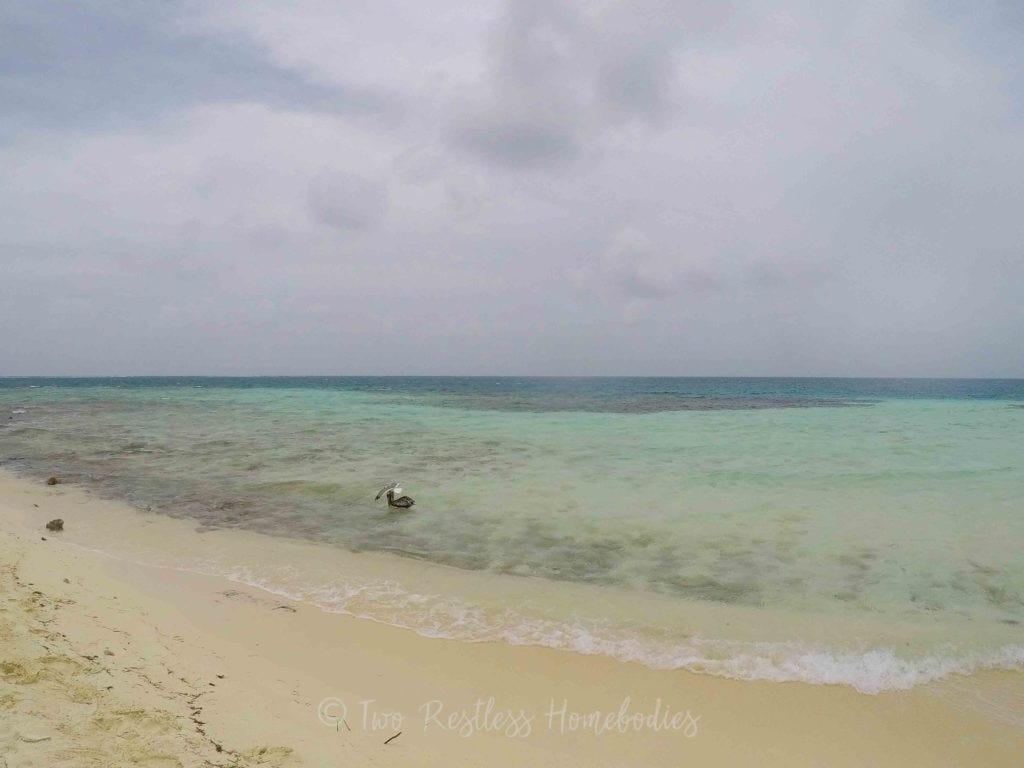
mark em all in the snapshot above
pixel 55 525
pixel 52 480
pixel 67 581
pixel 108 652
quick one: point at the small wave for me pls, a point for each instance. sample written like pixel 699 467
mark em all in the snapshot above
pixel 871 671
pixel 868 670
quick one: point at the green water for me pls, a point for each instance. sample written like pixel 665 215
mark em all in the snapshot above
pixel 904 509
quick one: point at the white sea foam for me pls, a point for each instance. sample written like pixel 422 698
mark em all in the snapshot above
pixel 868 670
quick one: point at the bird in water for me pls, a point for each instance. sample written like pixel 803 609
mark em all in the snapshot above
pixel 402 502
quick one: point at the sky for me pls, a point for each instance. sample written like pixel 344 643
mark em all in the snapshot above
pixel 525 187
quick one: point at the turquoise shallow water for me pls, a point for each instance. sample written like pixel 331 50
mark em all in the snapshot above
pixel 868 502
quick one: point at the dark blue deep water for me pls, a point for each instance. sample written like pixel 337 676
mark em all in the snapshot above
pixel 599 395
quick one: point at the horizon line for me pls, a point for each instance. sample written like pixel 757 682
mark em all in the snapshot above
pixel 5 377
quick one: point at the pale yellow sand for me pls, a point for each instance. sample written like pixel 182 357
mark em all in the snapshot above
pixel 108 663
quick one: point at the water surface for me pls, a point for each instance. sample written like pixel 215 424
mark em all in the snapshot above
pixel 675 512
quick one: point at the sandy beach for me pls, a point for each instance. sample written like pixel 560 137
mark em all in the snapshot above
pixel 107 662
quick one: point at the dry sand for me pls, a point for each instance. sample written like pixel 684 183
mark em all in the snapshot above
pixel 109 663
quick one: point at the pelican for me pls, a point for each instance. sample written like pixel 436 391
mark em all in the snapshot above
pixel 402 502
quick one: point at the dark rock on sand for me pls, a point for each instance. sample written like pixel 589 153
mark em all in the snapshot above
pixel 55 525
pixel 52 480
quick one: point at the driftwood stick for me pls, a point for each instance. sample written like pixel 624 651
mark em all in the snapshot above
pixel 393 737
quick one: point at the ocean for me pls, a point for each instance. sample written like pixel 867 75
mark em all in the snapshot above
pixel 866 532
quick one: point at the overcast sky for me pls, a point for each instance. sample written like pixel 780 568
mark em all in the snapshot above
pixel 514 187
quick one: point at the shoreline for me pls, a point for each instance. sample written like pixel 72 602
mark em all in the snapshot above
pixel 869 652
pixel 260 667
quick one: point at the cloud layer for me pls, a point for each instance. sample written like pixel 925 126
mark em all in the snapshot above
pixel 525 187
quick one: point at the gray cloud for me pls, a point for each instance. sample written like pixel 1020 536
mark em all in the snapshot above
pixel 526 111
pixel 98 64
pixel 345 201
pixel 635 50
pixel 560 74
pixel 772 273
pixel 550 188
pixel 514 142
pixel 638 83
pixel 637 268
